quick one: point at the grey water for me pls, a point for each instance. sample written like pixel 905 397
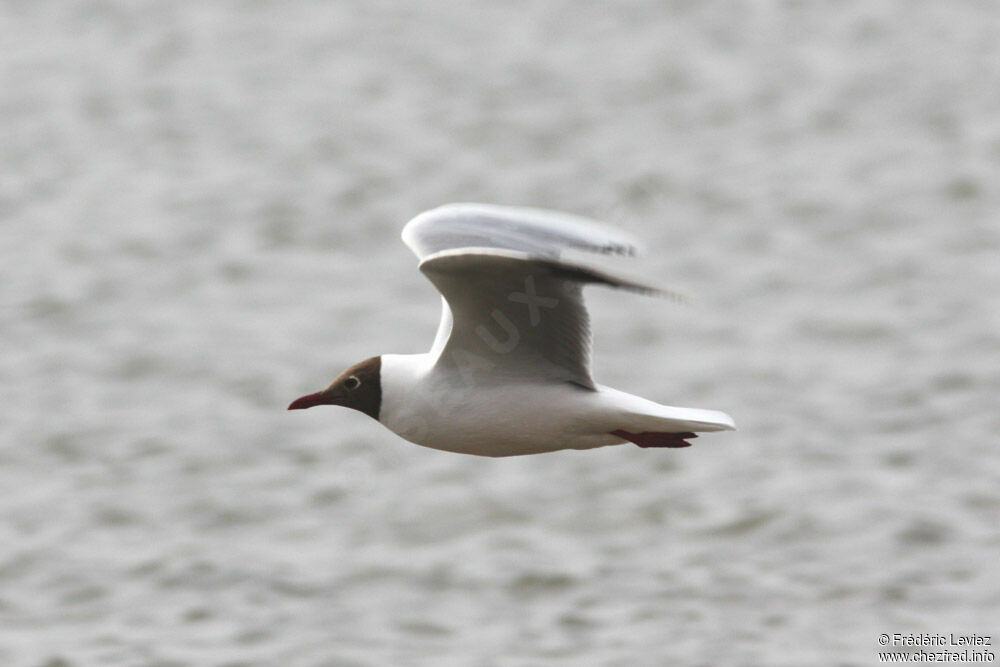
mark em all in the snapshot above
pixel 200 208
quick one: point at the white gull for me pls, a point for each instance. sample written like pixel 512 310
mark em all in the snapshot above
pixel 509 370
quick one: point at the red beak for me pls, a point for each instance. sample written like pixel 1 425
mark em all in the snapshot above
pixel 310 400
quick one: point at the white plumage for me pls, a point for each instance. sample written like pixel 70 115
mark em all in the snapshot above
pixel 509 370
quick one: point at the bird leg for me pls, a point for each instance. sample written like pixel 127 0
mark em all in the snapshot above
pixel 656 439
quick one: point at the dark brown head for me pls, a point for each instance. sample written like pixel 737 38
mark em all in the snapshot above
pixel 359 388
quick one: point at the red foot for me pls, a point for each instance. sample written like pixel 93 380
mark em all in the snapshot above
pixel 655 439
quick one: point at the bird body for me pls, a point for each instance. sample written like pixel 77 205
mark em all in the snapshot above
pixel 443 411
pixel 509 370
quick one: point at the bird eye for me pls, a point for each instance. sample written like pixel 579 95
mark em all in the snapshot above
pixel 352 382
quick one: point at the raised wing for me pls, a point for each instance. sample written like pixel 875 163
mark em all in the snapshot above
pixel 515 315
pixel 534 231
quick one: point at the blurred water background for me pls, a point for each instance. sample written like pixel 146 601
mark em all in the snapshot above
pixel 200 208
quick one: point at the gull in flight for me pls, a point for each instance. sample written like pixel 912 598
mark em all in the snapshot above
pixel 509 371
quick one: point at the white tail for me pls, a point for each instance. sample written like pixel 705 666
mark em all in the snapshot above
pixel 639 414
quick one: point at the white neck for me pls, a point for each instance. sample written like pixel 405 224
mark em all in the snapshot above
pixel 402 378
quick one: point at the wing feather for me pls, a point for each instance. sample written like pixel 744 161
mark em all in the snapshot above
pixel 515 315
pixel 538 232
pixel 512 307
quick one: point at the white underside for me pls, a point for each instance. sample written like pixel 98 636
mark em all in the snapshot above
pixel 458 415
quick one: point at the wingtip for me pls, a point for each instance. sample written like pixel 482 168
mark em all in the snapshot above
pixel 631 249
pixel 671 295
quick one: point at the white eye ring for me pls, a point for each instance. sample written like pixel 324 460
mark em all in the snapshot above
pixel 352 382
